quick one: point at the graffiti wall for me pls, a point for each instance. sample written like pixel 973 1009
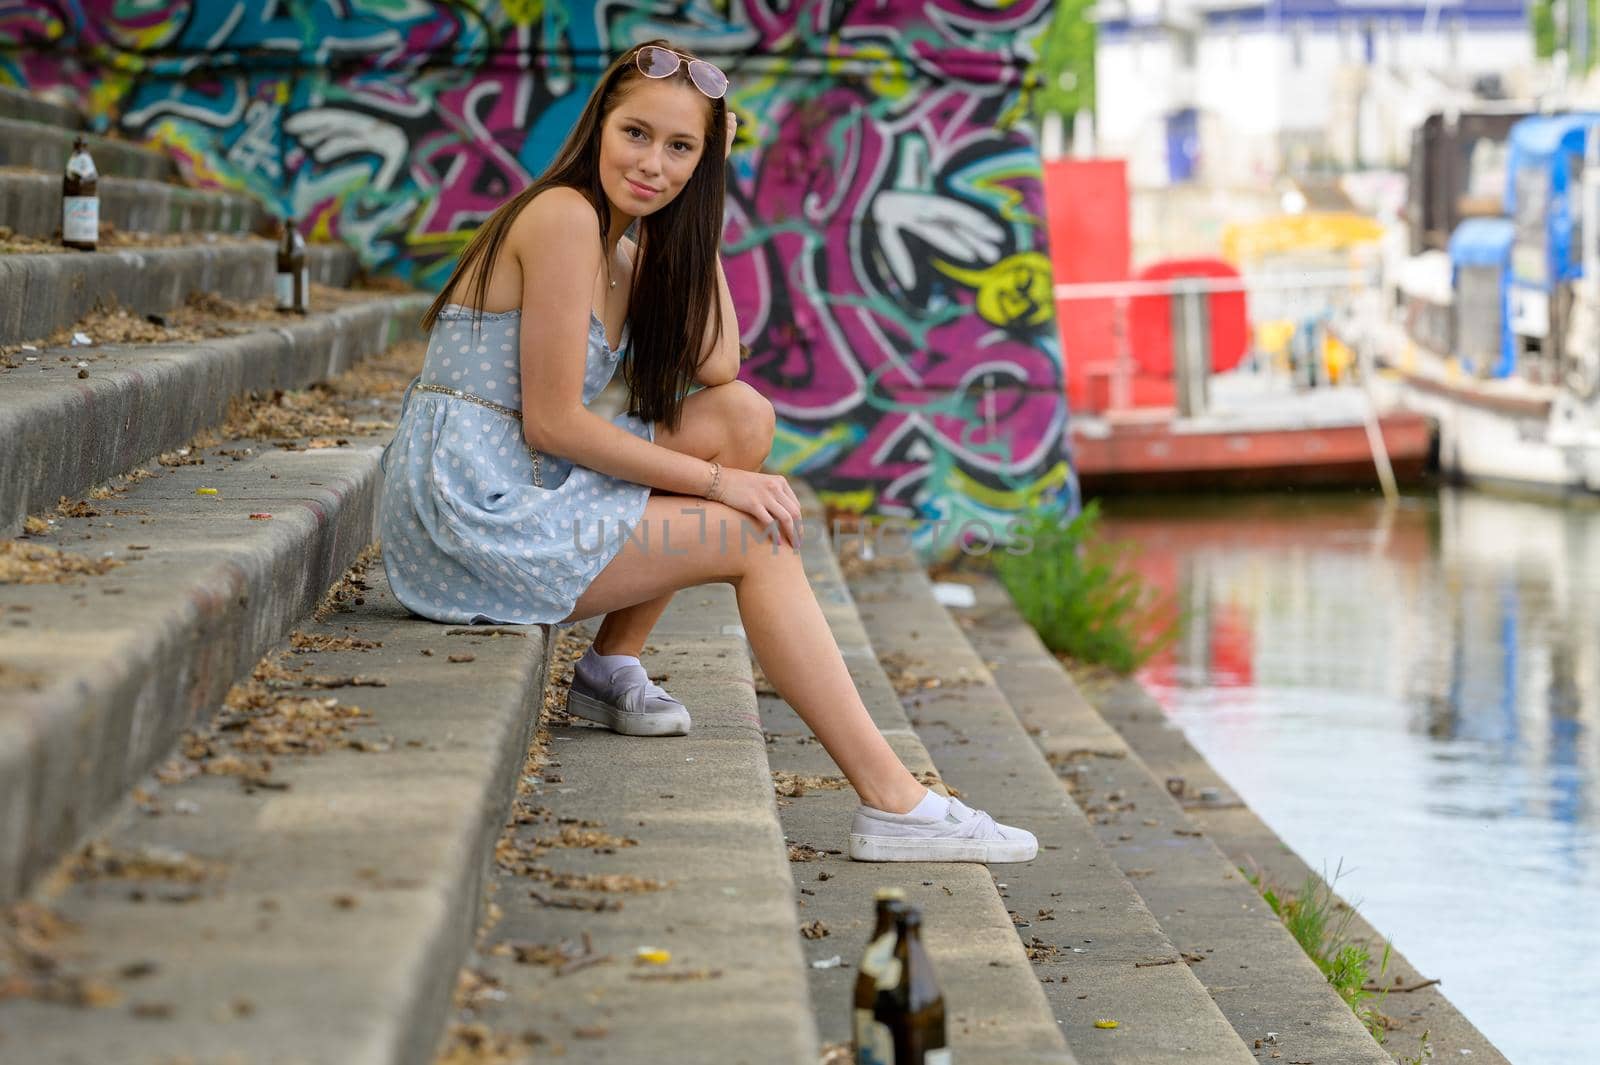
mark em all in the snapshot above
pixel 884 240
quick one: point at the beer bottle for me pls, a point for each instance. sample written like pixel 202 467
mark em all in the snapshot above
pixel 904 1023
pixel 874 1043
pixel 80 200
pixel 294 280
pixel 917 1019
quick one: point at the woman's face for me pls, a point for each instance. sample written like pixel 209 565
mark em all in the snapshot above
pixel 651 143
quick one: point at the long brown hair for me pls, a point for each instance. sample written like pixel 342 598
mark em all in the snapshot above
pixel 674 280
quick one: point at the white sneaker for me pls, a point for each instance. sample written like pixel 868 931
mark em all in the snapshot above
pixel 962 835
pixel 625 700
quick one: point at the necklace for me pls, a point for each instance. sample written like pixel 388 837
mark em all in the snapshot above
pixel 609 278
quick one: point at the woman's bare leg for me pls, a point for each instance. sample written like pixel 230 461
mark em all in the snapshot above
pixel 625 629
pixel 731 423
pixel 782 620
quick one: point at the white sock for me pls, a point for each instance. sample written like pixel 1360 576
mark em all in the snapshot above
pixel 932 805
pixel 598 669
pixel 612 661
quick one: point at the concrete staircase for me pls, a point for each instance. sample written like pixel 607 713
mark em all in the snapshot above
pixel 1173 826
pixel 213 841
pixel 141 264
pixel 251 809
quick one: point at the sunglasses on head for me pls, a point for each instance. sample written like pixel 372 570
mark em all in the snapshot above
pixel 657 62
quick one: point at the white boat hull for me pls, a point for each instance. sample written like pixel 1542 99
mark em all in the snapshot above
pixel 1558 451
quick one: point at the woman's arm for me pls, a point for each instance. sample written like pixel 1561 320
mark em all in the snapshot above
pixel 719 362
pixel 557 294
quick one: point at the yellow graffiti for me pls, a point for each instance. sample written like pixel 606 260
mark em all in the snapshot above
pixel 807 446
pixel 54 30
pixel 155 36
pixel 439 243
pixel 1017 287
pixel 1018 109
pixel 1016 499
pixel 889 78
pixel 847 502
pixel 322 231
pixel 169 136
pixel 108 91
pixel 524 12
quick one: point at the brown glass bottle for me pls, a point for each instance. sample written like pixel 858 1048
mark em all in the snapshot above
pixel 294 280
pixel 904 1025
pixel 874 1042
pixel 919 1035
pixel 80 200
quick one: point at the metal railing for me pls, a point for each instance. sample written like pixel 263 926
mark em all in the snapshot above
pixel 1311 298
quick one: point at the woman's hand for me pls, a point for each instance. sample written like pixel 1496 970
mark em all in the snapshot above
pixel 766 497
pixel 733 129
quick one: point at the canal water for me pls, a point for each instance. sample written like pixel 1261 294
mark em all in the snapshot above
pixel 1411 694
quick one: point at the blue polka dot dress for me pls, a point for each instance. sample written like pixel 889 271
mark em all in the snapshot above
pixel 471 531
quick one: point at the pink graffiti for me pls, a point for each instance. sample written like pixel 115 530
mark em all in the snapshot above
pixel 834 208
pixel 466 160
pixel 837 349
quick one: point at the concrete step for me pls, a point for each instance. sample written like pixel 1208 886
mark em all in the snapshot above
pixel 23 106
pixel 101 669
pixel 319 915
pixel 671 844
pixel 1238 833
pixel 60 434
pixel 995 1008
pixel 30 205
pixel 51 291
pixel 34 146
pixel 1259 976
pixel 1101 950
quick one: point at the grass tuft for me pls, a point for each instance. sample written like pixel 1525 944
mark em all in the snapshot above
pixel 1077 591
pixel 1312 917
pixel 1424 1052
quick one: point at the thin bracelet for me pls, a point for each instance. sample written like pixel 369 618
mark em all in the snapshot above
pixel 716 475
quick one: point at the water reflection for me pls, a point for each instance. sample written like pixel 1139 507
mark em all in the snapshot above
pixel 1414 692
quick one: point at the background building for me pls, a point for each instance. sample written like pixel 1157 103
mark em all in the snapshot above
pixel 1235 93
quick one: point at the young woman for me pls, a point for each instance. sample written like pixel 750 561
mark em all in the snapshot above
pixel 506 498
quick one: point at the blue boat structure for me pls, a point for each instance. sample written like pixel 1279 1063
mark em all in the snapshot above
pixel 1511 374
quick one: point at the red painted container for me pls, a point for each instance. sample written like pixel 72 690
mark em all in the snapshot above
pixel 1091 239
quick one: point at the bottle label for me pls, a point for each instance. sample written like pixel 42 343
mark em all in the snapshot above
pixel 286 290
pixel 80 219
pixel 82 166
pixel 874 1044
pixel 937 1057
pixel 879 961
